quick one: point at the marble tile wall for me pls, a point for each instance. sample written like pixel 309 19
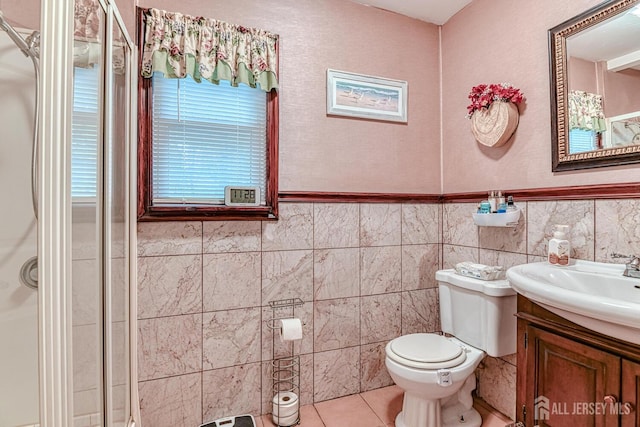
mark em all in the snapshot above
pixel 366 274
pixel 598 228
pixel 86 323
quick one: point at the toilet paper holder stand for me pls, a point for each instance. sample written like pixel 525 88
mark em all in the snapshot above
pixel 285 365
pixel 283 304
pixel 273 323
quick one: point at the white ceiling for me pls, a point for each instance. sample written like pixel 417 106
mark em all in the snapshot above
pixel 614 41
pixel 434 11
pixel 593 45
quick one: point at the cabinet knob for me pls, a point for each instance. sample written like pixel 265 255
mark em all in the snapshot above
pixel 610 399
pixel 627 408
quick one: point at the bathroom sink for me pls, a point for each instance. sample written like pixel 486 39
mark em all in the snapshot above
pixel 592 294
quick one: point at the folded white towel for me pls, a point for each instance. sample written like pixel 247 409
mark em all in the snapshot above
pixel 480 271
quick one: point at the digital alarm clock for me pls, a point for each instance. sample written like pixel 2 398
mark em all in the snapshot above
pixel 237 195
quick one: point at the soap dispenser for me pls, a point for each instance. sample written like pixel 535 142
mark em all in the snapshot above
pixel 559 248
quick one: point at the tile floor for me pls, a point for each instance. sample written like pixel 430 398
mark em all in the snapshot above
pixel 376 408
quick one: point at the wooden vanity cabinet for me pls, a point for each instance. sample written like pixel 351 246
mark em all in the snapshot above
pixel 569 376
pixel 631 392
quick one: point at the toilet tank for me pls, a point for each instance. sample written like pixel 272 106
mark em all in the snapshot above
pixel 480 313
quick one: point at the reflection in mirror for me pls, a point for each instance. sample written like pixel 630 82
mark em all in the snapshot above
pixel 595 82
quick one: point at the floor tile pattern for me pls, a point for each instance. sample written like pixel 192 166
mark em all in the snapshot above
pixel 375 408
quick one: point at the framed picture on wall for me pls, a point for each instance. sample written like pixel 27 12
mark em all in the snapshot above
pixel 367 97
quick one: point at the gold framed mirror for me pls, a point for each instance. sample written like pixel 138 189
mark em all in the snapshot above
pixel 594 63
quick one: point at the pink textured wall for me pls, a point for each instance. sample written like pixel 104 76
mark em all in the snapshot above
pixel 621 92
pixel 320 153
pixel 127 9
pixel 582 75
pixel 492 41
pixel 488 41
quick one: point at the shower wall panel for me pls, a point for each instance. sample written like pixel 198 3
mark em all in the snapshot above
pixel 18 303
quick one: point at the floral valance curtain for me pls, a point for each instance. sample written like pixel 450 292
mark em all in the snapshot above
pixel 90 40
pixel 585 111
pixel 88 28
pixel 179 45
pixel 87 20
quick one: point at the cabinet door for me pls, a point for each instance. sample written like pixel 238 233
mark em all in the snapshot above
pixel 630 394
pixel 568 382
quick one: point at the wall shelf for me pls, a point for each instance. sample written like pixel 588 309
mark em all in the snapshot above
pixel 506 219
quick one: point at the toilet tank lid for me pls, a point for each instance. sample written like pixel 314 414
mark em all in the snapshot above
pixel 494 288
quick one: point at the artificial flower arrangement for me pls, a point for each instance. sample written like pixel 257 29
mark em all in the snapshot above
pixel 482 96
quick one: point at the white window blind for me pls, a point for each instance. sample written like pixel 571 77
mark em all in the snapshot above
pixel 582 140
pixel 85 130
pixel 206 136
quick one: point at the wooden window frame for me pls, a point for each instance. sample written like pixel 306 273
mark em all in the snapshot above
pixel 148 212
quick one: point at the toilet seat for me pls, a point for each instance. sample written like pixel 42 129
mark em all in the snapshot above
pixel 426 351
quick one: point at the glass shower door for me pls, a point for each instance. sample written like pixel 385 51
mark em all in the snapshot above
pixel 87 267
pixel 116 179
pixel 102 99
pixel 84 233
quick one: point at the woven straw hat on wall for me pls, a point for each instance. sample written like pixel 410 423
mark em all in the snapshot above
pixel 495 125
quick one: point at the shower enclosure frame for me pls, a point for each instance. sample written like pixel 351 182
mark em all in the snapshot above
pixel 54 224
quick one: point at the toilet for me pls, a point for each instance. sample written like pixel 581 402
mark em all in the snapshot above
pixel 437 372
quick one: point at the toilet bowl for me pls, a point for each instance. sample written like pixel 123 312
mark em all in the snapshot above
pixel 426 379
pixel 437 372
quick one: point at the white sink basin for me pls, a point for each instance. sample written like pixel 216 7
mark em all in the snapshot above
pixel 592 294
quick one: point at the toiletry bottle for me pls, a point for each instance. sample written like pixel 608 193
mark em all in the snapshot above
pixel 510 205
pixel 485 207
pixel 559 246
pixel 502 205
pixel 492 201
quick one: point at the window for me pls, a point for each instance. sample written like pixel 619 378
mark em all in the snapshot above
pixel 205 137
pixel 196 138
pixel 583 140
pixel 85 129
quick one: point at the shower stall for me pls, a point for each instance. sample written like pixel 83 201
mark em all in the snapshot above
pixel 67 228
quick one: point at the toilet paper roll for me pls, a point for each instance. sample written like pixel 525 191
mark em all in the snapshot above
pixel 290 329
pixel 285 404
pixel 285 421
pixel 285 398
